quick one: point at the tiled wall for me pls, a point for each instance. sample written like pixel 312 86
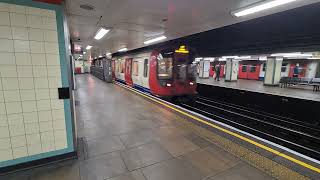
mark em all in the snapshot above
pixel 32 118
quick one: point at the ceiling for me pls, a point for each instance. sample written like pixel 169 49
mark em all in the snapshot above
pixel 134 21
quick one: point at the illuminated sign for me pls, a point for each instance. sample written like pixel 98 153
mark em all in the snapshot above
pixel 182 49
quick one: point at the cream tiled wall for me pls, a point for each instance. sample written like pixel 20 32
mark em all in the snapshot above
pixel 32 118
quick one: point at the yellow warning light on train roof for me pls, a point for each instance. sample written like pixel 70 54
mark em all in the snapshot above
pixel 182 49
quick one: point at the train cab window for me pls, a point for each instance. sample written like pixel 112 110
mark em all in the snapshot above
pixel 145 68
pixel 244 68
pixel 164 67
pixel 253 68
pixel 135 68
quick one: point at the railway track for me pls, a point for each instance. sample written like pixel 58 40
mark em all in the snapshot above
pixel 299 136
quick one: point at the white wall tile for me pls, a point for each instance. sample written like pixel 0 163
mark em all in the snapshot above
pixel 23 58
pixel 3 120
pixel 59 125
pixel 26 83
pixel 57 104
pixel 17 130
pixel 58 114
pixel 20 33
pixel 36 47
pixel 43 105
pixel 7 58
pixel 5 32
pixel 55 82
pixel 50 36
pixel 29 106
pixel 24 71
pixel 61 144
pixel 4 132
pixel 47 136
pixel 45 126
pixel 4 7
pixel 15 119
pixel 8 71
pixel 21 46
pixel 2 109
pixel 40 71
pixel 12 96
pixel 17 9
pixel 1 97
pixel 27 95
pixel 51 48
pixel 48 13
pixel 6 45
pixel 34 21
pixel 34 149
pixel 19 20
pixel 42 94
pixel 54 94
pixel 5 143
pixel 48 146
pixel 6 154
pixel 54 71
pixel 33 139
pixel 13 107
pixel 33 11
pixel 49 23
pixel 19 152
pixel 45 116
pixel 53 59
pixel 4 19
pixel 18 141
pixel 32 128
pixel 41 83
pixel 10 83
pixel 31 117
pixel 36 34
pixel 38 59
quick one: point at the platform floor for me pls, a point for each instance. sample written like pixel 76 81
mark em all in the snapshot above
pixel 123 136
pixel 257 86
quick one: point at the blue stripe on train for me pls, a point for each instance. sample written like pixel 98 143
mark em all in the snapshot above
pixel 136 86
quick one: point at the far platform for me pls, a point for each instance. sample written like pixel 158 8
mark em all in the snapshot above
pixel 301 92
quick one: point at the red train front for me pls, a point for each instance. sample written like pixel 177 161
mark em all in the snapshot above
pixel 172 73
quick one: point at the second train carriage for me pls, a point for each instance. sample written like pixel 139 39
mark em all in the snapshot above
pixel 166 73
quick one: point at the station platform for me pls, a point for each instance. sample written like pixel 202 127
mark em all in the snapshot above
pixel 124 136
pixel 300 92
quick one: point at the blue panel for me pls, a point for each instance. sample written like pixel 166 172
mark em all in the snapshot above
pixel 65 81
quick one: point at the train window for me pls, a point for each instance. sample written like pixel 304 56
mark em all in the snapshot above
pixel 135 68
pixel 252 68
pixel 244 68
pixel 284 67
pixel 164 67
pixel 122 67
pixel 264 67
pixel 145 69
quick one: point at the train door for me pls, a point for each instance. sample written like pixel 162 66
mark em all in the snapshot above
pixel 302 70
pixel 128 72
pixel 242 71
pixel 253 71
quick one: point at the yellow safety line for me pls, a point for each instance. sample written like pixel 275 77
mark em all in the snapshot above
pixel 231 133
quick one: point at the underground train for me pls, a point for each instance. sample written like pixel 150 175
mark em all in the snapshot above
pixel 166 73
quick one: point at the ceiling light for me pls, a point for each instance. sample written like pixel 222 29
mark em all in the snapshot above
pixel 295 54
pixel 108 54
pixel 84 52
pixel 155 40
pixel 261 7
pixel 101 32
pixel 122 49
pixel 88 47
pixel 100 56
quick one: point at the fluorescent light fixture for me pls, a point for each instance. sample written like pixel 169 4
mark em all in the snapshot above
pixel 84 52
pixel 108 54
pixel 88 47
pixel 261 7
pixel 100 56
pixel 101 32
pixel 155 39
pixel 290 55
pixel 122 49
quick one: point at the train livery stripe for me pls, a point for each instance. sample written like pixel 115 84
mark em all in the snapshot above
pixel 301 163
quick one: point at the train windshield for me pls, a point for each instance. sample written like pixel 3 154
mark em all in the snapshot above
pixel 165 66
pixel 184 69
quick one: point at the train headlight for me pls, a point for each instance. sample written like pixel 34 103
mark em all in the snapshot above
pixel 191 83
pixel 168 84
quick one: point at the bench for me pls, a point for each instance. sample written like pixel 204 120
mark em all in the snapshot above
pixel 290 81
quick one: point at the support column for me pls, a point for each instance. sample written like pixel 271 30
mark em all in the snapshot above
pixel 232 68
pixel 204 69
pixel 273 71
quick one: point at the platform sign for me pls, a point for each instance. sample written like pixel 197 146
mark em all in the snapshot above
pixel 35 107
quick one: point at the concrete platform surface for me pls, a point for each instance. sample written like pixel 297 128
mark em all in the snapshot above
pixel 123 136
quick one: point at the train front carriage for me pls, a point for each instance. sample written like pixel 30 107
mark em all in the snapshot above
pixel 172 73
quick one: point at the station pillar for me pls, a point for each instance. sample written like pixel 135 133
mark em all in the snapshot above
pixel 273 71
pixel 204 69
pixel 232 68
